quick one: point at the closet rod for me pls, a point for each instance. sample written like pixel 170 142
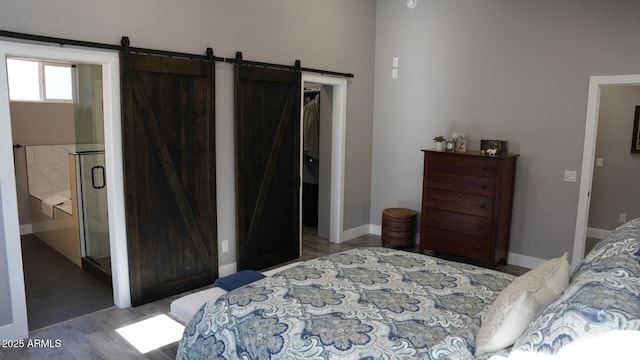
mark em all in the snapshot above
pixel 63 42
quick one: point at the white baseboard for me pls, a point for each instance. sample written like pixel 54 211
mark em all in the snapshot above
pixel 525 261
pixel 228 269
pixel 355 232
pixel 26 229
pixel 597 233
pixel 8 332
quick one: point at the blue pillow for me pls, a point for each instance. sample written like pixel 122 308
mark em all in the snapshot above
pixel 238 279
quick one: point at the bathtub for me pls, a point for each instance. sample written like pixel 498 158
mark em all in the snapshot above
pixel 54 219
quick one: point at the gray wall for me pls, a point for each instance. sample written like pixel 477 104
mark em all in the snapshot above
pixel 615 186
pixel 494 69
pixel 330 34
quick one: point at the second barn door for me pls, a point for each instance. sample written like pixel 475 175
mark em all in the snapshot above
pixel 267 166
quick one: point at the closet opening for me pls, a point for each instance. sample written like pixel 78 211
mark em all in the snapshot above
pixel 323 124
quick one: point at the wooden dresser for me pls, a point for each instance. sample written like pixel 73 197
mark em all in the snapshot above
pixel 466 205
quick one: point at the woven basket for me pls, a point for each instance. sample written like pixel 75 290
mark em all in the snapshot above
pixel 398 227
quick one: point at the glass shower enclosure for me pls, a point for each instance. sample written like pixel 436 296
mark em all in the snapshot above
pixel 91 171
pixel 93 219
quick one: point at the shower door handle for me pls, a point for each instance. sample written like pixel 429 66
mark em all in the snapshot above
pixel 93 177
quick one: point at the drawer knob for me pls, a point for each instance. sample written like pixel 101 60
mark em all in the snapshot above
pixel 483 186
pixel 480 227
pixel 485 168
pixel 482 206
pixel 435 179
pixel 433 237
pixel 434 199
pixel 434 218
pixel 477 247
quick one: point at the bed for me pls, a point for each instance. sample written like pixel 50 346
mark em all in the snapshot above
pixel 380 303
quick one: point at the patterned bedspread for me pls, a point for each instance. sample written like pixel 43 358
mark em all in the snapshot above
pixel 375 303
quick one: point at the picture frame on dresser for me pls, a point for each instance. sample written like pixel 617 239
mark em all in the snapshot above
pixel 467 200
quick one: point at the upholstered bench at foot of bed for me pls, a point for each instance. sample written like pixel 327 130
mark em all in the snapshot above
pixel 186 306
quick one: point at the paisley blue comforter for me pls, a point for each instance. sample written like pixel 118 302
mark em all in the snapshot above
pixel 367 303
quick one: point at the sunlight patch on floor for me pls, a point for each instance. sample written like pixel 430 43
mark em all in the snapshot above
pixel 152 333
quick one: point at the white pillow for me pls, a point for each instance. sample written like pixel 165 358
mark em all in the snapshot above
pixel 519 303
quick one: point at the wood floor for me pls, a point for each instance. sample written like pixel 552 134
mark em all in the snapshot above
pixel 93 336
pixel 56 288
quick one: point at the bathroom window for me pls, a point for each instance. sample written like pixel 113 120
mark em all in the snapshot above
pixel 32 80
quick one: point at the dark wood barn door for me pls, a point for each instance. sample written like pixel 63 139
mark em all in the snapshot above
pixel 267 166
pixel 168 128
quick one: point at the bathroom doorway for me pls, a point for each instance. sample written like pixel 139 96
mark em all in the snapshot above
pixel 58 134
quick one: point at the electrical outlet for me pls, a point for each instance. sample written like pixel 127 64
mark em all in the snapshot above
pixel 394 73
pixel 225 246
pixel 394 62
pixel 570 176
pixel 622 218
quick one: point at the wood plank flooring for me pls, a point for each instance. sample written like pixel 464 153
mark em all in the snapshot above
pixel 93 336
pixel 56 288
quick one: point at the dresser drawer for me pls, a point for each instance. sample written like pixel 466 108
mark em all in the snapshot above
pixel 457 244
pixel 470 184
pixel 457 222
pixel 458 202
pixel 475 166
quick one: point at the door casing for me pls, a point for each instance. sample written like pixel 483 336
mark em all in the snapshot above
pixel 113 150
pixel 588 156
pixel 338 144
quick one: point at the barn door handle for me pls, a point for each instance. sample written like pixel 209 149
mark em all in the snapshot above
pixel 94 170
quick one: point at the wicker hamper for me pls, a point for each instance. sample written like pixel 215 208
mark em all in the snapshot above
pixel 398 227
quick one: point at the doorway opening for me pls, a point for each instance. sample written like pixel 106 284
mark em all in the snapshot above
pixel 109 64
pixel 322 163
pixel 596 84
pixel 62 198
